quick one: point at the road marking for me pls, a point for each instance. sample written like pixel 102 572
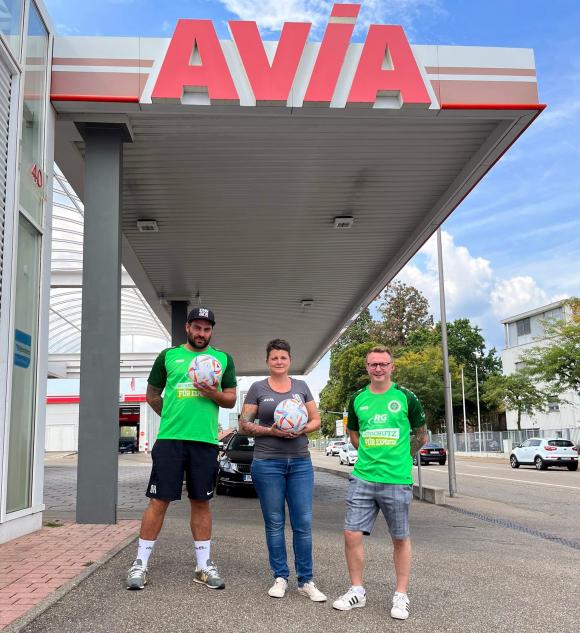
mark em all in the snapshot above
pixel 517 481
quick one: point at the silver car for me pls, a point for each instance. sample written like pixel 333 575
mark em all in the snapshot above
pixel 348 454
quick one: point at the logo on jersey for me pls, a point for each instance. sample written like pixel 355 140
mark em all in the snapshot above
pixel 381 437
pixel 394 406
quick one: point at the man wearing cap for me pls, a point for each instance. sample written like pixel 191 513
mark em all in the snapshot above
pixel 187 444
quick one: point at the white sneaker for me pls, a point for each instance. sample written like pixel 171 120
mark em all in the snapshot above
pixel 278 589
pixel 137 576
pixel 400 609
pixel 350 600
pixel 310 590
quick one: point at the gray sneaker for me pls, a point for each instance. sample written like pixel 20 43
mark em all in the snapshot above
pixel 137 576
pixel 209 576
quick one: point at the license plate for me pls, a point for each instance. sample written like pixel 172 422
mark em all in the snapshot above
pixel 247 477
pixel 434 452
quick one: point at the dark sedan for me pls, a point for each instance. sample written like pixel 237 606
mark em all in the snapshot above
pixel 235 463
pixel 431 452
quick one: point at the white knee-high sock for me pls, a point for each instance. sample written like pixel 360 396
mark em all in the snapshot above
pixel 144 550
pixel 202 551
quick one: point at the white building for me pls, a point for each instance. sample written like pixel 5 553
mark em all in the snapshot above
pixel 523 332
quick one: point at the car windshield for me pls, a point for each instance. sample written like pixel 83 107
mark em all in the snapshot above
pixel 560 443
pixel 241 443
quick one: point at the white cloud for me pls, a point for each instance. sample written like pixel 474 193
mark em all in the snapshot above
pixel 472 289
pixel 468 279
pixel 518 294
pixel 271 14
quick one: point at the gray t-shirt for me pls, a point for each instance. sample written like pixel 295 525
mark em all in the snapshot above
pixel 262 395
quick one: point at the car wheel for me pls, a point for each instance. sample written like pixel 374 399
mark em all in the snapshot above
pixel 442 462
pixel 573 466
pixel 539 463
pixel 340 460
pixel 514 461
pixel 221 490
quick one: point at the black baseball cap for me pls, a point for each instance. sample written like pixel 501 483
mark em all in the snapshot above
pixel 201 313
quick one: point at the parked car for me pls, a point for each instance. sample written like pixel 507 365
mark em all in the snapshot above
pixel 431 452
pixel 545 452
pixel 234 465
pixel 224 441
pixel 347 454
pixel 333 447
pixel 128 445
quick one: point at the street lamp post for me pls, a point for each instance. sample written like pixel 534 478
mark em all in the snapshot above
pixel 478 411
pixel 446 375
pixel 464 414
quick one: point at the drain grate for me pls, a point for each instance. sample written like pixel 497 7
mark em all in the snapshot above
pixel 511 525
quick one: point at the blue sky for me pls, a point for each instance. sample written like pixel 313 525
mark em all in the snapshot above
pixel 514 243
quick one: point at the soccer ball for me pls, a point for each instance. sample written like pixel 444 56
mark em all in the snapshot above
pixel 291 415
pixel 205 371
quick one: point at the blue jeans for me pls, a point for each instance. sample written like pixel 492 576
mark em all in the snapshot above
pixel 291 481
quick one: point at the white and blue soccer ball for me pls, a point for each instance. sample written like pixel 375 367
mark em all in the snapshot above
pixel 205 371
pixel 291 415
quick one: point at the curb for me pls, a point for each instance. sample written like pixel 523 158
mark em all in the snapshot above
pixel 431 494
pixel 24 620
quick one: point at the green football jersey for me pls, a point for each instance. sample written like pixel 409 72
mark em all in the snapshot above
pixel 384 422
pixel 186 414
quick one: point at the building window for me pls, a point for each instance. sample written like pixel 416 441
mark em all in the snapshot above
pixel 10 24
pixel 524 327
pixel 553 407
pixel 28 272
pixel 32 167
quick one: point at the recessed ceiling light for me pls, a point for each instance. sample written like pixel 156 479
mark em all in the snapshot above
pixel 148 226
pixel 343 222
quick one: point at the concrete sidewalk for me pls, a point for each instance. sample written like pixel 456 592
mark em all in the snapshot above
pixel 469 574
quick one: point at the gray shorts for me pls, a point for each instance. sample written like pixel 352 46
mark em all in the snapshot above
pixel 364 500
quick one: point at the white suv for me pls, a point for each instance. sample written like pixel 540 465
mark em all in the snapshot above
pixel 347 454
pixel 545 452
pixel 332 448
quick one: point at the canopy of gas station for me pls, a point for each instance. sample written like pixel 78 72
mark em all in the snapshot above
pixel 245 189
pixel 282 184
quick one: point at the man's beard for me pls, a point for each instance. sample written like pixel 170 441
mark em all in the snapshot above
pixel 196 345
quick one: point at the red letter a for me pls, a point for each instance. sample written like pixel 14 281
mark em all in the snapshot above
pixel 194 41
pixel 402 78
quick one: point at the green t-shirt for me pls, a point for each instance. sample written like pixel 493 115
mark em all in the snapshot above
pixel 384 422
pixel 186 414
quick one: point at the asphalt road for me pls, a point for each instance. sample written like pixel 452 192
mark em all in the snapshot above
pixel 546 500
pixel 469 574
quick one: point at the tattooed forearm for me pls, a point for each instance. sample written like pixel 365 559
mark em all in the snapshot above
pixel 248 427
pixel 420 438
pixel 154 399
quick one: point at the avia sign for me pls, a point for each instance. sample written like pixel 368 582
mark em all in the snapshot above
pixel 195 62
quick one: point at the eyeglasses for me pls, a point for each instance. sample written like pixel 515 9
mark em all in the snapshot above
pixel 378 365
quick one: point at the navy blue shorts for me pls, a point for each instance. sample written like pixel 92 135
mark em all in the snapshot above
pixel 175 459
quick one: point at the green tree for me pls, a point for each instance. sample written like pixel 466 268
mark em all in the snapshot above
pixel 422 372
pixel 403 310
pixel 516 392
pixel 465 343
pixel 558 362
pixel 362 330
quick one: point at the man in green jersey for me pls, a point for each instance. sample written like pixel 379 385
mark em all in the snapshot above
pixel 380 420
pixel 187 444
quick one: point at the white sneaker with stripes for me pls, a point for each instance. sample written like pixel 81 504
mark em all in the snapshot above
pixel 350 600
